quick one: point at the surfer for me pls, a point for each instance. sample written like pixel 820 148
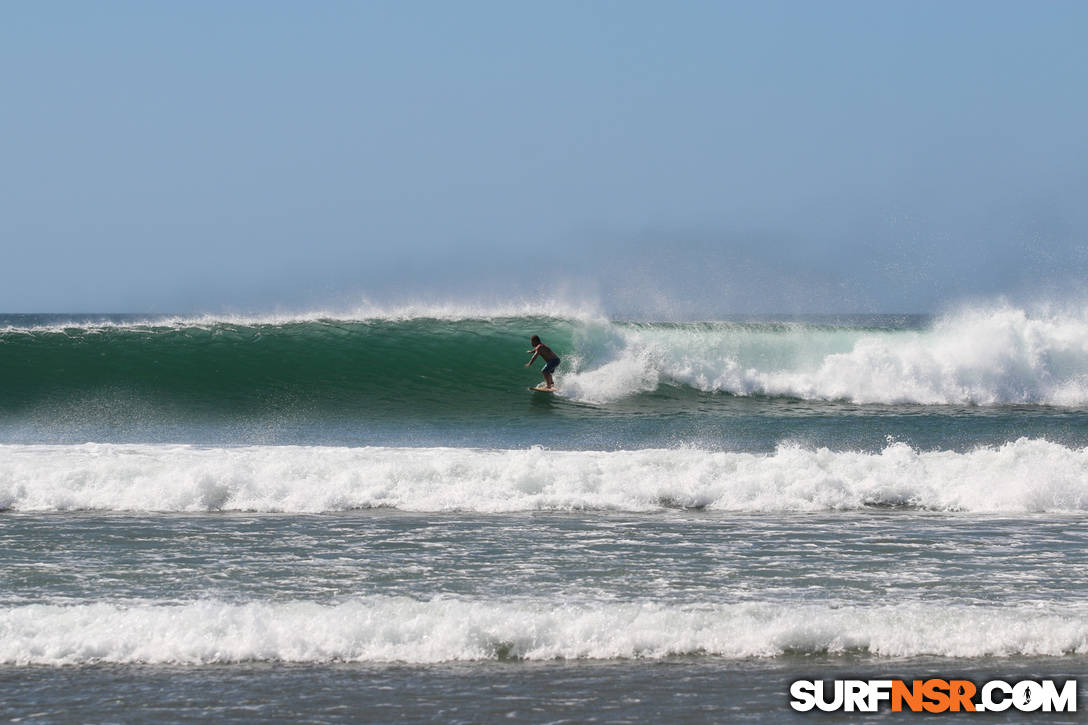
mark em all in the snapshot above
pixel 550 358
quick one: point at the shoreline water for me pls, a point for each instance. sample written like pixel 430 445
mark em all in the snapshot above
pixel 681 690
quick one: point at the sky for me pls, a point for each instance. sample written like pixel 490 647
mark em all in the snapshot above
pixel 686 158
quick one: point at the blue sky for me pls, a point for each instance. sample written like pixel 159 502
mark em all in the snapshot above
pixel 699 158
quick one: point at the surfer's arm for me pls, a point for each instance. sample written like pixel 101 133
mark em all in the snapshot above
pixel 535 351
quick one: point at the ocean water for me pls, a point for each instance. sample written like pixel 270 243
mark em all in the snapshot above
pixel 370 517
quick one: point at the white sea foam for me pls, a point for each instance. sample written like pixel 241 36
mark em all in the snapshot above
pixel 1027 475
pixel 399 629
pixel 982 356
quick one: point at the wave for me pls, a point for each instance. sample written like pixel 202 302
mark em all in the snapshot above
pixel 188 370
pixel 1018 477
pixel 400 629
pixel 396 366
pixel 985 357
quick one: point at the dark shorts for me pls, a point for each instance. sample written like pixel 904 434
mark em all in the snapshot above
pixel 551 366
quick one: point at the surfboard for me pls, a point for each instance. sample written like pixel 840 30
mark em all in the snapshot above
pixel 544 389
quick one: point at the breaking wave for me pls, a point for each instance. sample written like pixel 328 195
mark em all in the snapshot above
pixel 403 362
pixel 1027 475
pixel 983 357
pixel 400 629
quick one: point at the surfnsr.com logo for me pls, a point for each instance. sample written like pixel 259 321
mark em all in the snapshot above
pixel 934 695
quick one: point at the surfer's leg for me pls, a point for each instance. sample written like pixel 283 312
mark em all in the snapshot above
pixel 552 365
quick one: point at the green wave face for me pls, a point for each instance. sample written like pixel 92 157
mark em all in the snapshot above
pixel 357 368
pixel 464 368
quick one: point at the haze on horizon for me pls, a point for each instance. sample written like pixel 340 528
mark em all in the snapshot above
pixel 702 158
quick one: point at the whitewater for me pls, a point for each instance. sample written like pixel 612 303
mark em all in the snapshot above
pixel 406 630
pixel 1023 476
pixel 996 356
